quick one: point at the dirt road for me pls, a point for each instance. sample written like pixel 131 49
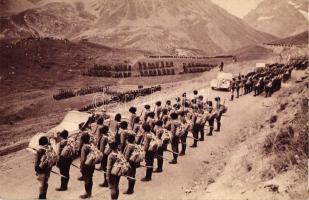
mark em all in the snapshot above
pixel 18 178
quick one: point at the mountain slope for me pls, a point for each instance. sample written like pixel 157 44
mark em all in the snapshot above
pixel 162 26
pixel 280 18
pixel 301 38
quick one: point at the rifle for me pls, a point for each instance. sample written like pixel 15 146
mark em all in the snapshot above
pixel 168 150
pixel 59 174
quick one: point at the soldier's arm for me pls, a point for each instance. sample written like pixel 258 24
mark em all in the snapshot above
pixel 147 142
pixel 128 152
pixel 103 144
pixel 83 156
pixel 37 161
pixel 122 140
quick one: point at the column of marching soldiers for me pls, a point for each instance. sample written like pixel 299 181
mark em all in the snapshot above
pixel 121 146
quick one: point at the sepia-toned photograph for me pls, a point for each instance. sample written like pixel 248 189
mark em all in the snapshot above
pixel 154 99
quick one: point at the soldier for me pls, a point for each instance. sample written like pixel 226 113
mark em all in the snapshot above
pixel 113 180
pixel 116 127
pixel 151 120
pixel 65 160
pixel 132 110
pixel 238 85
pixel 158 109
pixel 232 88
pixel 42 172
pixel 164 116
pixel 132 170
pixel 211 121
pixel 183 137
pixel 87 169
pixel 123 135
pixel 172 126
pixel 168 106
pixel 160 150
pixel 149 153
pixel 146 113
pixel 103 147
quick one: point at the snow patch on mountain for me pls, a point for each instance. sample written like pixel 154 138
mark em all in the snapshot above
pixel 264 18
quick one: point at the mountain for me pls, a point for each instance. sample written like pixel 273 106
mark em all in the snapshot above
pixel 281 18
pixel 166 26
pixel 14 6
pixel 301 38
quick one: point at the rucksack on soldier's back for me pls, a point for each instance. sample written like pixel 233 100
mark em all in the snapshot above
pixel 94 156
pixel 68 150
pixel 49 159
pixel 138 154
pixel 121 166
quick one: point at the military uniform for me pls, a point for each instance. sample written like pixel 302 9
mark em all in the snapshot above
pixel 149 156
pixel 64 164
pixel 86 170
pixel 113 180
pixel 173 126
pixel 43 173
pixel 103 147
pixel 132 170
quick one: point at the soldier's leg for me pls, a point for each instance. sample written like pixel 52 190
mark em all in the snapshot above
pixel 159 160
pixel 114 186
pixel 175 148
pixel 183 140
pixel 218 120
pixel 211 127
pixel 201 130
pixel 103 166
pixel 195 135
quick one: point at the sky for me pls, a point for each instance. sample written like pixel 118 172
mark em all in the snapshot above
pixel 238 7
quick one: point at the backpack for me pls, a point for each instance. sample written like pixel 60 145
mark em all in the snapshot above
pixel 223 109
pixel 68 150
pixel 153 145
pixel 121 166
pixel 181 130
pixel 166 136
pixel 138 154
pixel 94 156
pixel 199 119
pixel 49 159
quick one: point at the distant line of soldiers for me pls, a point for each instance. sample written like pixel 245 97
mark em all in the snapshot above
pixel 122 96
pixel 120 146
pixel 69 93
pixel 266 80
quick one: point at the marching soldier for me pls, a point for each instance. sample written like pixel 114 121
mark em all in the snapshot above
pixel 103 147
pixel 132 110
pixel 42 172
pixel 160 150
pixel 65 160
pixel 113 180
pixel 158 109
pixel 123 135
pixel 149 153
pixel 232 88
pixel 172 126
pixel 132 170
pixel 87 169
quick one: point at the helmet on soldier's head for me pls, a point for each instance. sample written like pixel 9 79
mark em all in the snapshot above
pixel 43 141
pixel 168 102
pixel 132 110
pixel 147 107
pixel 195 92
pixel 158 103
pixel 174 115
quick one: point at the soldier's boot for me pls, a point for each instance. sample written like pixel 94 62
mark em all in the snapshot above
pixel 64 185
pixel 232 97
pixel 202 135
pixel 130 187
pixel 210 131
pixel 194 145
pixel 218 127
pixel 42 196
pixel 105 183
pixel 160 166
pixel 174 160
pixel 148 175
pixel 183 150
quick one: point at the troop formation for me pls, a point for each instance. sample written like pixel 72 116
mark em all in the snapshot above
pixel 267 79
pixel 120 146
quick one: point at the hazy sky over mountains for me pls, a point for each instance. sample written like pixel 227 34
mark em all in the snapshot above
pixel 238 7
